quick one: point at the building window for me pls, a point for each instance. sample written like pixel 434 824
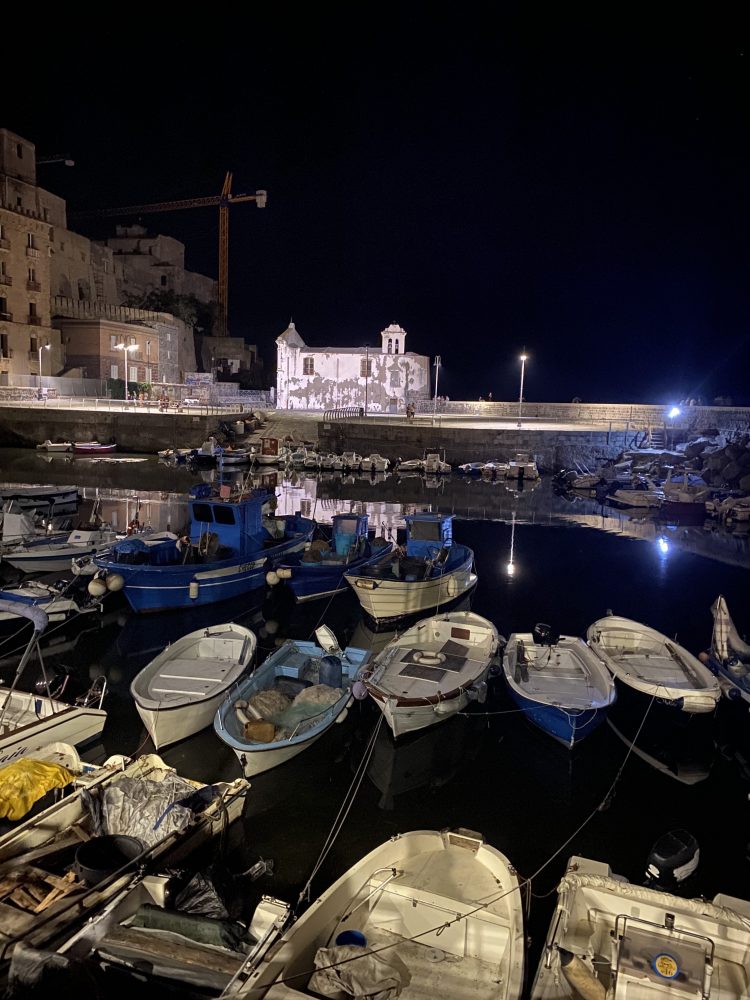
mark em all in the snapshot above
pixel 2 268
pixel 365 368
pixel 4 349
pixel 19 201
pixel 3 306
pixel 308 366
pixel 390 345
pixel 32 274
pixel 149 377
pixel 163 281
pixel 33 344
pixel 30 241
pixel 19 150
pixel 113 373
pixel 397 346
pixel 131 340
pixel 113 341
pixel 395 379
pixel 133 374
pixel 32 309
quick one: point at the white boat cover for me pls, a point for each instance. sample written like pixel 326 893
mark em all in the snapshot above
pixel 665 900
pixel 369 976
pixel 35 615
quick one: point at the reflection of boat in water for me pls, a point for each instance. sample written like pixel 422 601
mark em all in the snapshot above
pixel 677 750
pixel 430 758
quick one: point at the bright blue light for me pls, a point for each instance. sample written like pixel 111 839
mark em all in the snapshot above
pixel 674 412
pixel 663 545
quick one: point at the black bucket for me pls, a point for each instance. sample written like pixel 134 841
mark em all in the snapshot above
pixel 101 856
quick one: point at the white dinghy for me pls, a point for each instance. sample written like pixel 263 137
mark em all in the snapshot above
pixel 609 938
pixel 649 663
pixel 432 670
pixel 427 914
pixel 29 720
pixel 178 692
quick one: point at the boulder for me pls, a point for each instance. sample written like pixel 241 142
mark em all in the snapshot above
pixel 744 483
pixel 731 472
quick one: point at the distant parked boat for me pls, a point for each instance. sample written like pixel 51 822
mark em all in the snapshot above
pixel 289 701
pixel 729 657
pixel 272 452
pixel 43 555
pixel 44 499
pixel 522 466
pixel 93 448
pixel 59 601
pixel 559 682
pixel 54 446
pixel 432 670
pixel 178 692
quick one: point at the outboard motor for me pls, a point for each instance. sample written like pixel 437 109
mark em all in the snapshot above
pixel 673 859
pixel 544 635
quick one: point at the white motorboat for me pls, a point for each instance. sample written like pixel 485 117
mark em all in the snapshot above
pixel 610 938
pixel 650 664
pixel 312 460
pixel 55 446
pixel 522 466
pixel 295 696
pixel 46 556
pixel 435 465
pixel 272 452
pixel 51 500
pixel 559 682
pixel 432 670
pixel 59 600
pixel 434 571
pixel 410 465
pixel 435 914
pixel 494 470
pixel 29 720
pixel 20 527
pixel 178 692
pixel 375 463
pixel 347 461
pixel 235 456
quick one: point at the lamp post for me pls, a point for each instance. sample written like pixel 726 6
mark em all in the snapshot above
pixel 437 373
pixel 520 394
pixel 42 347
pixel 125 348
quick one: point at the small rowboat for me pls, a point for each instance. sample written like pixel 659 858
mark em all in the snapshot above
pixel 93 448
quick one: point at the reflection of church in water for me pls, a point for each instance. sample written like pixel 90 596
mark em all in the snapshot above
pixel 301 495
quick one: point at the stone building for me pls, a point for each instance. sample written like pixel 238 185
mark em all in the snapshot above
pixel 28 215
pixel 380 379
pixel 102 348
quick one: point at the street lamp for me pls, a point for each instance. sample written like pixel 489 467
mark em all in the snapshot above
pixel 125 348
pixel 437 372
pixel 42 347
pixel 520 394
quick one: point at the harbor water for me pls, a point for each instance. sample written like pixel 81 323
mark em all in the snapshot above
pixel 487 769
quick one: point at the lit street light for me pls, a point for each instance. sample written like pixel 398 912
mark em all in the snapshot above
pixel 520 394
pixel 125 348
pixel 42 347
pixel 437 372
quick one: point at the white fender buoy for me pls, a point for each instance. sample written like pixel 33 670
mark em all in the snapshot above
pixel 359 690
pixel 342 716
pixel 272 578
pixel 114 582
pixel 97 587
pixel 284 573
pixel 194 589
pixel 272 627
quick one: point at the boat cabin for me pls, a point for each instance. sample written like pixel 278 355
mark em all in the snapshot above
pixel 349 533
pixel 269 447
pixel 427 533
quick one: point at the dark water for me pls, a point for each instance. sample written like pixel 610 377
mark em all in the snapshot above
pixel 487 770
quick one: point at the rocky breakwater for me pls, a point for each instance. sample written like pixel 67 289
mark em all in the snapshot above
pixel 725 465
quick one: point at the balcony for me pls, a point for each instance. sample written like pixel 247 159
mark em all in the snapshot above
pixel 33 252
pixel 33 286
pixel 4 244
pixel 8 317
pixel 34 319
pixel 5 279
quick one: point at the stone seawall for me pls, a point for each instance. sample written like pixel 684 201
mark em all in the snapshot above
pixel 553 449
pixel 134 432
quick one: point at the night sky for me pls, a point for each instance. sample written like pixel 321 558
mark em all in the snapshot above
pixel 488 176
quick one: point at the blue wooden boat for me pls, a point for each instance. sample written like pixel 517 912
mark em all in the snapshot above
pixel 560 684
pixel 319 570
pixel 287 703
pixel 232 542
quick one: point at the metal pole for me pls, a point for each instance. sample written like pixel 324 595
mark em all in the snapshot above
pixel 520 394
pixel 437 373
pixel 40 371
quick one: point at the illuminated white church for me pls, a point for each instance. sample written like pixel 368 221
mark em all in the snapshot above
pixel 381 379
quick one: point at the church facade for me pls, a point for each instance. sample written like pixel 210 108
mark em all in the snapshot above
pixel 379 379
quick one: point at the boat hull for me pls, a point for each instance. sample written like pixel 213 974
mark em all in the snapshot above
pixel 58 723
pixel 170 725
pixel 50 561
pixel 403 718
pixel 566 726
pixel 309 581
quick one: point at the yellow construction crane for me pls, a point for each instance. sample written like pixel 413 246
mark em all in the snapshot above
pixel 223 200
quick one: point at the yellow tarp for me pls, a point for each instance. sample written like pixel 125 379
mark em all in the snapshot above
pixel 24 782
